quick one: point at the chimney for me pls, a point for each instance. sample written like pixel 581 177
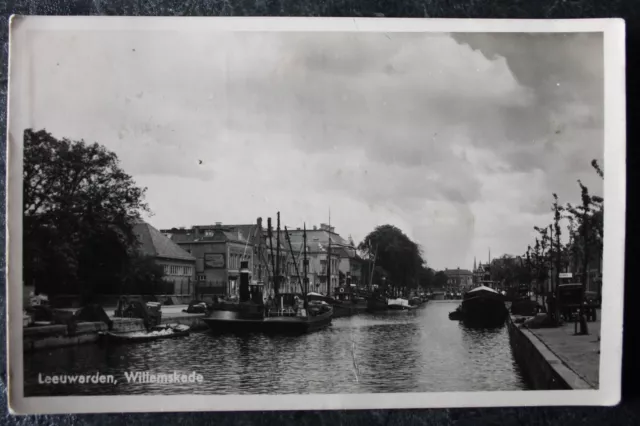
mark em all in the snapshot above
pixel 259 222
pixel 315 228
pixel 244 281
pixel 218 223
pixel 197 231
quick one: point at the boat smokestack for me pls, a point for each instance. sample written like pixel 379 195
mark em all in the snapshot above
pixel 244 281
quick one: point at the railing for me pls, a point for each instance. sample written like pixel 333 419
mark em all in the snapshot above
pixel 285 312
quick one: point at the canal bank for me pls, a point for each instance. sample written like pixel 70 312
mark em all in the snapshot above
pixel 61 335
pixel 555 358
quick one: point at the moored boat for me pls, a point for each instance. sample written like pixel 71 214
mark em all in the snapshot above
pixel 340 308
pixel 399 304
pixel 416 301
pixel 483 306
pixel 287 313
pixel 283 321
pixel 456 315
pixel 377 302
pixel 165 331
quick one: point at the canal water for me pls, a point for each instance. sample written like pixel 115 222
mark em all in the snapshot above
pixel 417 351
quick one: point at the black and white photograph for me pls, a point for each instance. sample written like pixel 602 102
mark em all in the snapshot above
pixel 262 214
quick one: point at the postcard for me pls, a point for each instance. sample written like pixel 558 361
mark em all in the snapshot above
pixel 231 214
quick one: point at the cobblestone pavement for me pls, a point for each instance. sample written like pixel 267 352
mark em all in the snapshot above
pixel 580 353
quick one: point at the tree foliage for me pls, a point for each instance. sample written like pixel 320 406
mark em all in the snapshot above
pixel 584 226
pixel 396 254
pixel 79 212
pixel 509 270
pixel 440 279
pixel 145 276
pixel 426 277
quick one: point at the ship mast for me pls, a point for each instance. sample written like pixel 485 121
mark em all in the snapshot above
pixel 273 267
pixel 373 266
pixel 277 282
pixel 295 261
pixel 305 263
pixel 329 259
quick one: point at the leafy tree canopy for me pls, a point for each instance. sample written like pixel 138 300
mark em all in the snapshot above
pixel 79 212
pixel 396 253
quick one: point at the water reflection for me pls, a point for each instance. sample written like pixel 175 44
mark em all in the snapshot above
pixel 419 351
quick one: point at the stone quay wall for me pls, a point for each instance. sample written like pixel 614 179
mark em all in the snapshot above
pixel 541 367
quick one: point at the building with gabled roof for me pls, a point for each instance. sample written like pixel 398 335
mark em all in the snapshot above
pixel 219 250
pixel 459 278
pixel 178 264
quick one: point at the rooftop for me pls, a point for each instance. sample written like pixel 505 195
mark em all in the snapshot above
pixel 154 243
pixel 458 271
pixel 217 232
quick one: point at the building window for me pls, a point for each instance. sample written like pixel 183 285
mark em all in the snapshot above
pixel 202 277
pixel 208 233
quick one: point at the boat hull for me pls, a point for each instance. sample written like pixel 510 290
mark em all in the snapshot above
pixel 340 308
pixel 236 322
pixel 343 310
pixel 401 308
pixel 455 315
pixel 125 338
pixel 484 312
pixel 375 304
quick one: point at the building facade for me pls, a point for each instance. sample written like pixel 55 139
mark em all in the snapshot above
pixel 320 253
pixel 351 265
pixel 218 250
pixel 459 279
pixel 179 265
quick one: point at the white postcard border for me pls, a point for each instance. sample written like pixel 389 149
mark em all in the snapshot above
pixel 614 222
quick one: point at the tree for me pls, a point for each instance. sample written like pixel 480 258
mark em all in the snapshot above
pixel 509 270
pixel 588 216
pixel 144 276
pixel 540 259
pixel 79 212
pixel 396 254
pixel 426 277
pixel 557 216
pixel 440 279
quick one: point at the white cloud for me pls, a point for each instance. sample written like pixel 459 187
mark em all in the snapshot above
pixel 460 148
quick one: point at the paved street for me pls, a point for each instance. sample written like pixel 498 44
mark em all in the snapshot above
pixel 579 353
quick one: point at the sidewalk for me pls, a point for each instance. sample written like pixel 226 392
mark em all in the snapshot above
pixel 579 353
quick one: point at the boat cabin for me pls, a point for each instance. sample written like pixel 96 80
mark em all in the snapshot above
pixel 256 292
pixel 343 294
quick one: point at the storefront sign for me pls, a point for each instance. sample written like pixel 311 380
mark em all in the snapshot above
pixel 214 260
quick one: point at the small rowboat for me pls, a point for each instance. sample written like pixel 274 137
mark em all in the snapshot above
pixel 456 315
pixel 164 331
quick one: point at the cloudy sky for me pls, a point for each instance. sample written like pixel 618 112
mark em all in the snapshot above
pixel 459 140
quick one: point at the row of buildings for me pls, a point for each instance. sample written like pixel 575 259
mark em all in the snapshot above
pixel 206 259
pixel 463 279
